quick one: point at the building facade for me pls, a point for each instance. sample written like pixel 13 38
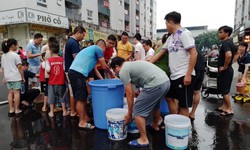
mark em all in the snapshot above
pixel 116 16
pixel 242 21
pixel 23 18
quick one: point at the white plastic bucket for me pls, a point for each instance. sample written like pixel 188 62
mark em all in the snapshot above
pixel 117 130
pixel 177 131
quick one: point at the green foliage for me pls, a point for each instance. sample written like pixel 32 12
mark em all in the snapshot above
pixel 206 40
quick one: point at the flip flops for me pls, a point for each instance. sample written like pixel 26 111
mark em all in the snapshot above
pixel 226 113
pixel 19 114
pixel 11 114
pixel 218 109
pixel 134 143
pixel 88 126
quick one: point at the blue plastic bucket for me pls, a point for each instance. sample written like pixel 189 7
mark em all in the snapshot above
pixel 132 127
pixel 177 131
pixel 117 129
pixel 106 94
pixel 164 107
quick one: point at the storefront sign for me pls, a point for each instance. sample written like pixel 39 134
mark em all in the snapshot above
pixel 38 17
pixel 46 28
pixel 12 17
pixel 99 35
pixel 26 15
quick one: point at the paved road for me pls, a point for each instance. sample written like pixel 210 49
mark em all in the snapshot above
pixel 210 130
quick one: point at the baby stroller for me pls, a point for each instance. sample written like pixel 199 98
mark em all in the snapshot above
pixel 209 86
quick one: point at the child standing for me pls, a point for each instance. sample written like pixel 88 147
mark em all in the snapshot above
pixel 13 75
pixel 56 84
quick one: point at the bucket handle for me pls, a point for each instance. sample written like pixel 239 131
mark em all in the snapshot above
pixel 111 86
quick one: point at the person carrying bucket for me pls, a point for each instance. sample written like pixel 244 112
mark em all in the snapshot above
pixel 155 85
pixel 83 63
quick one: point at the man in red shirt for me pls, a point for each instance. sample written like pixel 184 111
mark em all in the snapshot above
pixel 108 53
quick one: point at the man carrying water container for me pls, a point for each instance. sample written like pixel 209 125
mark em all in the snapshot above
pixel 155 85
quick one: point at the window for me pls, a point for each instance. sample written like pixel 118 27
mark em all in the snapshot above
pixel 42 3
pixel 89 14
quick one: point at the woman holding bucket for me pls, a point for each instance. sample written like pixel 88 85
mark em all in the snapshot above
pixel 155 85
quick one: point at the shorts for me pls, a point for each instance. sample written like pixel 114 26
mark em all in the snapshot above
pixel 69 85
pixel 14 85
pixel 34 69
pixel 91 74
pixel 149 99
pixel 44 87
pixel 224 80
pixel 101 71
pixel 78 84
pixel 184 94
pixel 54 92
pixel 199 77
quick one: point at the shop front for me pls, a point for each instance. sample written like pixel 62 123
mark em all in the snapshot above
pixel 22 24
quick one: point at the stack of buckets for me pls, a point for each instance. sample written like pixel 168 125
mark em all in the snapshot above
pixel 107 103
pixel 177 131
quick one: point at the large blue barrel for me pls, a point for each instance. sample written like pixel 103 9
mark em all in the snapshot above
pixel 106 94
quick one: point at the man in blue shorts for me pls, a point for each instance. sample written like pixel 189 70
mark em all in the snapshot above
pixel 78 72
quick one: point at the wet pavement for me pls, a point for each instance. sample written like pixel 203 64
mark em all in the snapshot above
pixel 210 131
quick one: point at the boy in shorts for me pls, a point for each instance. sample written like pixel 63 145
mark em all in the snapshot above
pixel 56 84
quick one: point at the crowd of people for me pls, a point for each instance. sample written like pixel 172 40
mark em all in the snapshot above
pixel 177 73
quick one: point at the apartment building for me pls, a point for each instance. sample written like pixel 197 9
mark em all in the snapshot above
pixel 116 16
pixel 242 21
pixel 23 18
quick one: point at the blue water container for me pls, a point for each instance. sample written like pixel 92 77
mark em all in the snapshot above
pixel 164 107
pixel 106 94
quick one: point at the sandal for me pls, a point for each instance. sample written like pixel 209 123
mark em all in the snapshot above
pixel 226 113
pixel 219 109
pixel 88 126
pixel 19 114
pixel 11 114
pixel 44 110
pixel 65 114
pixel 134 143
pixel 51 115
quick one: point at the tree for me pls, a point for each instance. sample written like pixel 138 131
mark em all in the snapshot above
pixel 206 40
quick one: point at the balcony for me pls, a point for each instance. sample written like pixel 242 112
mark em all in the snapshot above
pixel 126 1
pixel 73 14
pixel 103 7
pixel 104 24
pixel 137 7
pixel 127 28
pixel 76 2
pixel 127 18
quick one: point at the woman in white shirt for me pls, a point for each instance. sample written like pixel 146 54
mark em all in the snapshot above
pixel 147 45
